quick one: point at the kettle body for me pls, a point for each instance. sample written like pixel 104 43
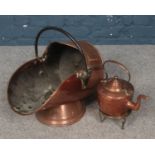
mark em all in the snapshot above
pixel 113 102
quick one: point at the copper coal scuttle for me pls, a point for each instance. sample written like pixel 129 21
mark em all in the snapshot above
pixel 55 85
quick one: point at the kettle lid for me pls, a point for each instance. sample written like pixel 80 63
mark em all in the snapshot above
pixel 114 84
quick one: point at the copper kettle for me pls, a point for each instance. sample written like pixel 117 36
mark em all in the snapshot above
pixel 115 94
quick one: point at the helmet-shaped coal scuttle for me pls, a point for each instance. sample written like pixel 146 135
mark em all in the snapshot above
pixel 55 85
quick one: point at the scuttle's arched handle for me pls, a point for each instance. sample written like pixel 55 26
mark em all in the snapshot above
pixel 84 75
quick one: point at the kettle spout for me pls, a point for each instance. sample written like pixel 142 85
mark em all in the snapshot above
pixel 136 105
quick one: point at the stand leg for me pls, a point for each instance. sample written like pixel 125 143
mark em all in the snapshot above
pixel 102 116
pixel 123 122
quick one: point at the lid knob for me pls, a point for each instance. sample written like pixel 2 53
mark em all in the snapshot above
pixel 114 84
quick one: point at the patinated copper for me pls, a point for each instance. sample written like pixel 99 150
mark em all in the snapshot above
pixel 55 85
pixel 115 95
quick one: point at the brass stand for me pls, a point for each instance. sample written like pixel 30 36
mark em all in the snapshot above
pixel 104 116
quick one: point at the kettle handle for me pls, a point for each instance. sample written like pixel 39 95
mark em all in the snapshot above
pixel 66 34
pixel 120 65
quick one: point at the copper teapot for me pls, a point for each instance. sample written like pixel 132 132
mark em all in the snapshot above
pixel 115 94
